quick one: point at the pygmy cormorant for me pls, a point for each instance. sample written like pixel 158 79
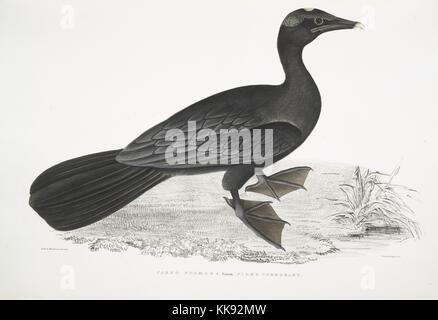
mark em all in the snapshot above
pixel 81 191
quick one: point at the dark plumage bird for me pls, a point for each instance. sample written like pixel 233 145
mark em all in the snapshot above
pixel 83 190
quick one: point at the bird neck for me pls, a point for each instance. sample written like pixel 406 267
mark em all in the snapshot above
pixel 291 57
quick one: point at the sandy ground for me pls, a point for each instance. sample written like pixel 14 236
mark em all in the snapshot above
pixel 187 216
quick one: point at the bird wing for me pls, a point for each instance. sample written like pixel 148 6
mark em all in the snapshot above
pixel 220 113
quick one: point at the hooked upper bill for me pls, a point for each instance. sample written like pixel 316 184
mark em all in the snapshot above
pixel 359 25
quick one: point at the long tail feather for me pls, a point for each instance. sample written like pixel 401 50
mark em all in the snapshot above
pixel 81 191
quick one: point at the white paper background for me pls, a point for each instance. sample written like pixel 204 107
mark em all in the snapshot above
pixel 72 87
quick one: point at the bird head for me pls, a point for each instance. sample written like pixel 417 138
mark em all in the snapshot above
pixel 304 25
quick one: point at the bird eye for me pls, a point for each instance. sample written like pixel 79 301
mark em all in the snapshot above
pixel 318 21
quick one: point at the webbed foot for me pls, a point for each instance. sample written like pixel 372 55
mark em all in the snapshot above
pixel 280 183
pixel 261 218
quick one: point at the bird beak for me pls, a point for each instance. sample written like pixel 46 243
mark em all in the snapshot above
pixel 338 24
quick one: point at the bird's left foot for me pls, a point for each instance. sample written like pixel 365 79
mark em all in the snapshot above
pixel 261 218
pixel 280 183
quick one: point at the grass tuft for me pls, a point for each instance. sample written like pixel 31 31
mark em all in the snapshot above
pixel 372 201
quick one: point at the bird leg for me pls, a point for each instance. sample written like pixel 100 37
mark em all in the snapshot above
pixel 280 183
pixel 260 217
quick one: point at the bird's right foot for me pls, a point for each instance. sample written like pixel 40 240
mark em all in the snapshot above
pixel 261 218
